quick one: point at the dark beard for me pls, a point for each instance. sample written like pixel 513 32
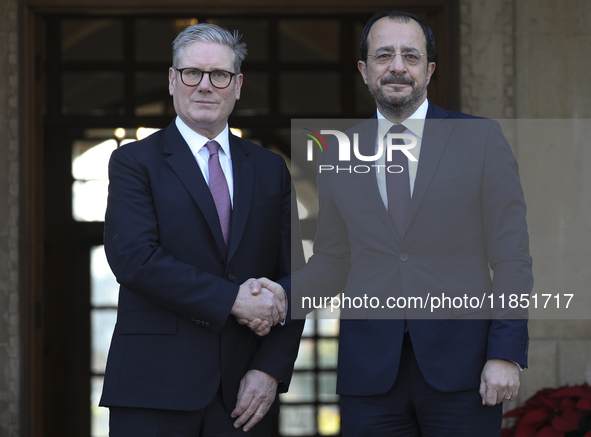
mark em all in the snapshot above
pixel 398 107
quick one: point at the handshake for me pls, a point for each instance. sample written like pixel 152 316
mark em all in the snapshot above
pixel 260 304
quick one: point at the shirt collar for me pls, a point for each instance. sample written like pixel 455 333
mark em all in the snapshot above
pixel 415 123
pixel 196 141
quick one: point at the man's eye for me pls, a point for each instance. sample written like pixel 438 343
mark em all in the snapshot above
pixel 192 72
pixel 219 74
pixel 383 58
pixel 411 56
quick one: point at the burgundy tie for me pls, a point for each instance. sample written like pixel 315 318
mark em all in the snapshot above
pixel 218 185
pixel 398 184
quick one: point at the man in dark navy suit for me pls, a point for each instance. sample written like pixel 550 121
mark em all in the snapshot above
pixel 437 228
pixel 194 215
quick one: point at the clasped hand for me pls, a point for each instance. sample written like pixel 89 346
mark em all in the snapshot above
pixel 260 304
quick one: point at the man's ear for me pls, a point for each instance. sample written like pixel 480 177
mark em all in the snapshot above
pixel 430 70
pixel 363 70
pixel 171 79
pixel 239 79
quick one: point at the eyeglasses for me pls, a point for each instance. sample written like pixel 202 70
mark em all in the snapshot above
pixel 411 57
pixel 218 78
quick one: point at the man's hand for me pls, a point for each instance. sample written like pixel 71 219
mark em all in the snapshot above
pixel 499 382
pixel 256 394
pixel 258 306
pixel 256 286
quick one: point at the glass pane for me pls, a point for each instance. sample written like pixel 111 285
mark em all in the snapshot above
pixel 309 326
pixel 328 320
pixel 254 34
pixel 154 49
pixel 327 353
pixel 99 415
pixel 92 40
pixel 329 420
pixel 148 49
pixel 305 358
pixel 301 388
pixel 329 327
pixel 90 159
pixel 103 324
pixel 307 93
pixel 327 387
pixel 309 40
pixel 96 93
pixel 151 94
pixel 89 200
pixel 358 29
pixel 308 246
pixel 254 95
pixel 297 420
pixel 104 289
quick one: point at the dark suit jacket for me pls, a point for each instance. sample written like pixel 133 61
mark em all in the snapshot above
pixel 174 340
pixel 467 213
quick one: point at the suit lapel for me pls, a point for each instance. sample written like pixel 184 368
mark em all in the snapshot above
pixel 186 168
pixel 243 172
pixel 435 137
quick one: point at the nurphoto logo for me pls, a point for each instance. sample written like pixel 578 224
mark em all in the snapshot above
pixel 392 142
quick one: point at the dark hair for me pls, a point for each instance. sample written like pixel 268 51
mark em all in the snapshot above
pixel 402 17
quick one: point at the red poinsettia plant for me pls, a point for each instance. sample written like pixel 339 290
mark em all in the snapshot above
pixel 553 412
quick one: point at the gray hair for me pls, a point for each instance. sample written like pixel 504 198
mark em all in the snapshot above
pixel 206 32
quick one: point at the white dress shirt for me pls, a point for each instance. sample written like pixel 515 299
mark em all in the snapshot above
pixel 197 143
pixel 414 125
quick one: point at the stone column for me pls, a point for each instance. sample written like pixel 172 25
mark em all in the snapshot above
pixel 487 58
pixel 9 191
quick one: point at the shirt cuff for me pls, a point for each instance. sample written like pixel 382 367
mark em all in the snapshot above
pixel 286 308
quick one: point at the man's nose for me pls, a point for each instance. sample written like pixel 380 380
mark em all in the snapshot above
pixel 397 64
pixel 205 84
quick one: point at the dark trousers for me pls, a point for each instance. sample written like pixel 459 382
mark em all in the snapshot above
pixel 412 408
pixel 211 421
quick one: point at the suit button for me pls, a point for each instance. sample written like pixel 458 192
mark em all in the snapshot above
pixel 231 276
pixel 404 257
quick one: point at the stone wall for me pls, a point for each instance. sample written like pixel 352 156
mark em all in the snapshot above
pixel 553 57
pixel 529 59
pixel 9 188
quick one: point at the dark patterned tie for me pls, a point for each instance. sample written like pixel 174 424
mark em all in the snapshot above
pixel 218 185
pixel 398 184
